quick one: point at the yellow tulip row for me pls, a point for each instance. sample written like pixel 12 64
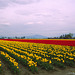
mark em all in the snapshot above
pixel 12 60
pixel 30 62
pixel 0 64
pixel 30 54
pixel 0 67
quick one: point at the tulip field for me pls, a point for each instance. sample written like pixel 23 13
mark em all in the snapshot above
pixel 34 55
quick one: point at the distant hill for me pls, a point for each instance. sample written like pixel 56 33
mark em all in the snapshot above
pixel 36 37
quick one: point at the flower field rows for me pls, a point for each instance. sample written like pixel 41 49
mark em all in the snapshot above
pixel 35 55
pixel 66 42
pixel 13 65
pixel 0 67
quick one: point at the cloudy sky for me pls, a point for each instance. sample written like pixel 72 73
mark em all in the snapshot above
pixel 30 17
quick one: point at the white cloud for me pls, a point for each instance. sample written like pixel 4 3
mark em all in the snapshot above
pixel 5 24
pixel 30 23
pixel 39 22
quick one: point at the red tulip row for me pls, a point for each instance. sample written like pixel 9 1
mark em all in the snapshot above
pixel 44 41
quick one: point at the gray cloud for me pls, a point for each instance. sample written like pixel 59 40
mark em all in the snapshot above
pixel 5 3
pixel 24 12
pixel 25 1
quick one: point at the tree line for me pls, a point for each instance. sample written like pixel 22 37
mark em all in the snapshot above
pixel 64 36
